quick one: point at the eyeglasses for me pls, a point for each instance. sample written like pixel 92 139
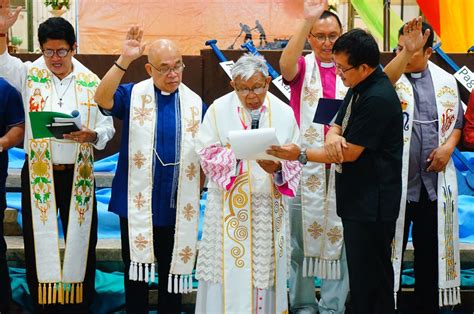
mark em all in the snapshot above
pixel 165 70
pixel 322 38
pixel 338 68
pixel 49 53
pixel 247 91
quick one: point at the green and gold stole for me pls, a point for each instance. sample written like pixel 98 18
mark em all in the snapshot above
pixel 61 284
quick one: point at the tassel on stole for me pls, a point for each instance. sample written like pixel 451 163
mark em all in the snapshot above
pixel 60 293
pixel 311 268
pixel 146 273
pixel 175 284
pixel 71 299
pixel 170 283
pixel 152 276
pixel 140 272
pixel 181 284
pixel 54 293
pixel 305 268
pixel 50 292
pixel 40 294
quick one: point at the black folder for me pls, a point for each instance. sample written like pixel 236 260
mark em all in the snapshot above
pixel 327 110
pixel 60 128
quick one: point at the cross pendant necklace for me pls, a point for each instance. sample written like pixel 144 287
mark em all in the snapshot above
pixel 60 103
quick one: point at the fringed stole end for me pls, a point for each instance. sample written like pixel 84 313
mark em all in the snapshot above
pixel 321 268
pixel 142 272
pixel 395 299
pixel 180 283
pixel 449 296
pixel 62 293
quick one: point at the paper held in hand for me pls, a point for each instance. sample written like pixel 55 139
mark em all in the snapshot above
pixel 252 144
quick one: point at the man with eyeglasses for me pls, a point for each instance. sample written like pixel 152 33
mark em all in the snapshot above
pixel 318 245
pixel 58 173
pixel 368 174
pixel 156 187
pixel 243 253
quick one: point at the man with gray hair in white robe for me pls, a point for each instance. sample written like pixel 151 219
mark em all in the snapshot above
pixel 243 255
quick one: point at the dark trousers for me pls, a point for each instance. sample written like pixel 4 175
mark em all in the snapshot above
pixel 136 292
pixel 62 185
pixel 424 217
pixel 368 251
pixel 5 287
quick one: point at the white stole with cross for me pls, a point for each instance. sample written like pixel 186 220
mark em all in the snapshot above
pixel 447 102
pixel 143 117
pixel 322 228
pixel 60 284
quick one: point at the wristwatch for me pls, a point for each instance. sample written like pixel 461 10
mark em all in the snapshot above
pixel 96 138
pixel 303 158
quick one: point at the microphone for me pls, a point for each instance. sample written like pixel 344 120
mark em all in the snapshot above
pixel 255 114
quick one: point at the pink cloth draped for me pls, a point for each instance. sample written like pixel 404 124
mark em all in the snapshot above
pixel 218 163
pixel 291 171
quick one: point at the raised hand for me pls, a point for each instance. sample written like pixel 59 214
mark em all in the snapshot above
pixel 7 16
pixel 413 39
pixel 314 8
pixel 133 47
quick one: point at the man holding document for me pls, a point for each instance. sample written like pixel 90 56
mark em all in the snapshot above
pixel 57 174
pixel 243 254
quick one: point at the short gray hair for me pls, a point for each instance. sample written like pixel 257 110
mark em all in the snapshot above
pixel 248 65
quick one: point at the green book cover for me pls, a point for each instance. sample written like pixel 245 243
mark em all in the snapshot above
pixel 39 120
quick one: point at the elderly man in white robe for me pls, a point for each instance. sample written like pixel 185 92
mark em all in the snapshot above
pixel 243 255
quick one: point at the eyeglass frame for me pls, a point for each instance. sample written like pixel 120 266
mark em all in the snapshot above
pixel 246 91
pixel 324 37
pixel 169 69
pixel 55 52
pixel 343 71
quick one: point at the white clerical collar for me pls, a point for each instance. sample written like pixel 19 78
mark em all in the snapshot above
pixel 165 93
pixel 416 75
pixel 327 65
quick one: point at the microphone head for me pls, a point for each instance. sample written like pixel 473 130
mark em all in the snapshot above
pixel 255 114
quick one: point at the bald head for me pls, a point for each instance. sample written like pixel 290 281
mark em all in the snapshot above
pixel 165 65
pixel 161 48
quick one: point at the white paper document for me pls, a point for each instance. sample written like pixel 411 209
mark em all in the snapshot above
pixel 76 119
pixel 252 144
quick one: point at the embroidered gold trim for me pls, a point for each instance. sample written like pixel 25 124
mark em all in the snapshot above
pixel 315 230
pixel 191 171
pixel 141 114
